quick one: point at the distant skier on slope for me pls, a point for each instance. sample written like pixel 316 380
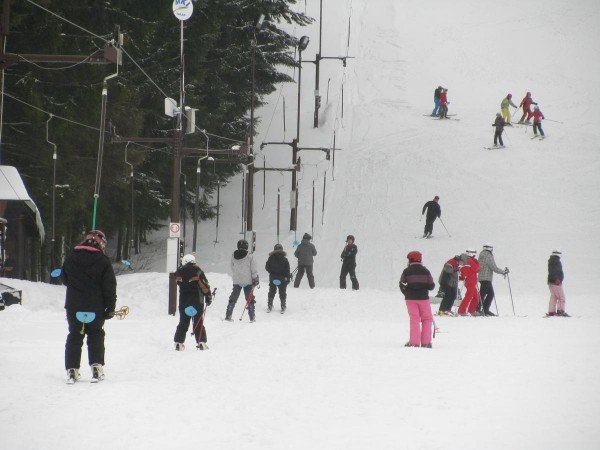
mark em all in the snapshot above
pixel 305 252
pixel 487 267
pixel 244 274
pixel 555 284
pixel 194 292
pixel 92 294
pixel 444 103
pixel 499 125
pixel 469 273
pixel 278 267
pixel 433 212
pixel 504 107
pixel 449 283
pixel 537 121
pixel 415 284
pixel 349 263
pixel 436 101
pixel 526 104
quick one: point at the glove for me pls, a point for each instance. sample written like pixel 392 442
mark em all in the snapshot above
pixel 506 271
pixel 109 315
pixel 208 300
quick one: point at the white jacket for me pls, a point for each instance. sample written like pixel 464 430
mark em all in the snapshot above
pixel 243 268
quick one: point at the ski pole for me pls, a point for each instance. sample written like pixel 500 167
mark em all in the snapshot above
pixel 511 297
pixel 550 120
pixel 445 227
pixel 248 300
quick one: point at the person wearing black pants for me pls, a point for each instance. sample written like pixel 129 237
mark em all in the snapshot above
pixel 499 124
pixel 305 252
pixel 486 293
pixel 95 341
pixel 278 267
pixel 433 212
pixel 349 264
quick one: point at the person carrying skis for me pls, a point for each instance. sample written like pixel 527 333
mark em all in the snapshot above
pixel 244 274
pixel 499 125
pixel 537 121
pixel 469 273
pixel 415 284
pixel 433 212
pixel 487 267
pixel 555 284
pixel 444 103
pixel 436 101
pixel 349 263
pixel 278 267
pixel 526 104
pixel 305 252
pixel 504 107
pixel 91 293
pixel 194 292
pixel 449 283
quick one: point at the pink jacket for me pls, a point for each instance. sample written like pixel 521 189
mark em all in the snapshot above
pixel 538 116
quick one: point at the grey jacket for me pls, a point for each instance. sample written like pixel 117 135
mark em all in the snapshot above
pixel 243 268
pixel 487 266
pixel 305 252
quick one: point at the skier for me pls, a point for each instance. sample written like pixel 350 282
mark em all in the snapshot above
pixel 433 212
pixel 469 273
pixel 526 104
pixel 555 281
pixel 487 267
pixel 449 283
pixel 244 274
pixel 91 293
pixel 444 103
pixel 349 263
pixel 504 107
pixel 278 267
pixel 436 101
pixel 305 253
pixel 499 124
pixel 194 291
pixel 537 121
pixel 415 284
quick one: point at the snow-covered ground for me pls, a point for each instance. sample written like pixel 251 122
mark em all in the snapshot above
pixel 333 372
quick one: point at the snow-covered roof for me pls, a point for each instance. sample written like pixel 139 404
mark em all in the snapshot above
pixel 12 188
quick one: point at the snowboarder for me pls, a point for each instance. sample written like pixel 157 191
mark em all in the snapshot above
pixel 444 103
pixel 499 124
pixel 194 292
pixel 469 273
pixel 555 281
pixel 349 263
pixel 526 104
pixel 415 284
pixel 487 267
pixel 433 212
pixel 537 121
pixel 244 274
pixel 449 283
pixel 91 297
pixel 278 267
pixel 504 107
pixel 436 101
pixel 305 253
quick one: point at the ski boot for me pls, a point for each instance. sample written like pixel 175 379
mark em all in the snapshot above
pixel 73 375
pixel 270 305
pixel 202 346
pixel 179 346
pixel 97 373
pixel 551 314
pixel 561 313
pixel 426 345
pixel 408 344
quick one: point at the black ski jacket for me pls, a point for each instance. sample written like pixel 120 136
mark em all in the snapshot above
pixel 278 266
pixel 499 124
pixel 555 272
pixel 433 210
pixel 416 282
pixel 349 254
pixel 193 285
pixel 90 280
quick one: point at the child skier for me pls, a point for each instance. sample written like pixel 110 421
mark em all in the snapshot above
pixel 278 267
pixel 555 281
pixel 499 124
pixel 194 292
pixel 537 121
pixel 245 276
pixel 469 273
pixel 415 284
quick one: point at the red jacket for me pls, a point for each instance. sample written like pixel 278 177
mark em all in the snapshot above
pixel 469 272
pixel 527 102
pixel 443 98
pixel 538 116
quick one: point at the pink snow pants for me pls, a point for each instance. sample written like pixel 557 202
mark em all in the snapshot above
pixel 557 298
pixel 421 320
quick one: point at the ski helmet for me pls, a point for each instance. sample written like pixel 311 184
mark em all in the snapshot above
pixel 414 256
pixel 556 253
pixel 464 258
pixel 95 238
pixel 278 247
pixel 498 115
pixel 350 237
pixel 509 96
pixel 488 246
pixel 188 259
pixel 242 244
pixel 528 94
pixel 470 251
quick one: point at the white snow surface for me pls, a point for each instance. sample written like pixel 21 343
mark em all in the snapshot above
pixel 332 372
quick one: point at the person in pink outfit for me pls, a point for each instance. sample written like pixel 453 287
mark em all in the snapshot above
pixel 469 273
pixel 415 284
pixel 555 282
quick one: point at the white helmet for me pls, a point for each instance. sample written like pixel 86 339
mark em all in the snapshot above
pixel 488 246
pixel 471 251
pixel 188 259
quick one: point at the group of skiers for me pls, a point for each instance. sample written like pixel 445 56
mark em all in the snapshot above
pixel 503 118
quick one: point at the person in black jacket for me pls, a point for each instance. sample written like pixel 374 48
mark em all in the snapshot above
pixel 349 263
pixel 415 283
pixel 194 291
pixel 91 291
pixel 433 212
pixel 278 267
pixel 555 281
pixel 499 124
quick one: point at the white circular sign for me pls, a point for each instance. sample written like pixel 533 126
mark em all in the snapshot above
pixel 174 229
pixel 183 9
